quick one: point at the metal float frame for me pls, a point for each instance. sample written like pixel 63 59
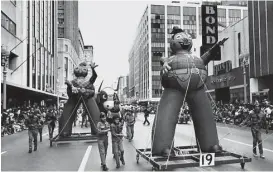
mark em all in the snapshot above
pixel 188 153
pixel 74 137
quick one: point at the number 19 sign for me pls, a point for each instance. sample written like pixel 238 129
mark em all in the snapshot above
pixel 207 159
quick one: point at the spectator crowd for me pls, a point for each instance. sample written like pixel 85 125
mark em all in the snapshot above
pixel 13 119
pixel 236 113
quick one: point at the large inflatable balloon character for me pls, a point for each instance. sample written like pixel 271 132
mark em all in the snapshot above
pixel 107 100
pixel 183 78
pixel 80 90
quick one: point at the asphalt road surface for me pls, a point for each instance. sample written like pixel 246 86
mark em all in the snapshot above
pixel 84 156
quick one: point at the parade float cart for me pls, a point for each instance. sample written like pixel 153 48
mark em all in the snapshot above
pixel 75 136
pixel 189 156
pixel 79 137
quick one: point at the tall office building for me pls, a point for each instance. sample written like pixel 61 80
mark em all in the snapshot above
pixel 69 40
pixel 122 89
pixel 153 36
pixel 260 45
pixel 29 32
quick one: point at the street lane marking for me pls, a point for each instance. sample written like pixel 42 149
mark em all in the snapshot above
pixel 3 152
pixel 84 159
pixel 247 144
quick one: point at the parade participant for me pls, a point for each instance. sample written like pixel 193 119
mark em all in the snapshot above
pixel 130 123
pixel 32 123
pixel 268 113
pixel 38 113
pixel 146 115
pixel 256 119
pixel 84 118
pixel 103 128
pixel 50 120
pixel 116 132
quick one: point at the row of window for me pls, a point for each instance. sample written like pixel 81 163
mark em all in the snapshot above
pixel 158 21
pixel 157 25
pixel 189 17
pixel 170 26
pixel 8 24
pixel 173 17
pixel 187 22
pixel 175 10
pixel 156 44
pixel 154 30
pixel 157 9
pixel 158 35
pixel 157 16
pixel 234 13
pixel 174 22
pixel 156 73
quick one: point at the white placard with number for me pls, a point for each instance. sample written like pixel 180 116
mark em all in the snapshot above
pixel 207 159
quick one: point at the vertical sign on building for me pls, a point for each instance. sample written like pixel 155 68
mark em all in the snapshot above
pixel 209 27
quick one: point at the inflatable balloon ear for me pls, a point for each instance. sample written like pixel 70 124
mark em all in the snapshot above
pixel 80 91
pixel 183 76
pixel 101 98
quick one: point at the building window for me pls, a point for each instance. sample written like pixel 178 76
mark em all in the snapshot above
pixel 8 24
pixel 222 16
pixel 66 48
pixel 189 20
pixel 239 43
pixel 61 32
pixel 234 16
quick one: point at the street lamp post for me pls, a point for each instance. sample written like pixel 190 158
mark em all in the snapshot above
pixel 244 64
pixel 58 89
pixel 4 59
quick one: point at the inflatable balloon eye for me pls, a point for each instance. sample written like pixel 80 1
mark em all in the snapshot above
pixel 77 72
pixel 104 96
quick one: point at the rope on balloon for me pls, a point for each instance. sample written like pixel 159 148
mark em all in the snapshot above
pixel 214 104
pixel 172 144
pixel 68 119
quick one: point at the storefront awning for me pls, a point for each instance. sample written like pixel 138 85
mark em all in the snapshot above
pixel 30 91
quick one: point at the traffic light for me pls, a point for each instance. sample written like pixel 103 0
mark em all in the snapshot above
pixel 215 52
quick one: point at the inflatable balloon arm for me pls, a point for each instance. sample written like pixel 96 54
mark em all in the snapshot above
pixel 94 73
pixel 206 57
pixel 68 83
pixel 164 61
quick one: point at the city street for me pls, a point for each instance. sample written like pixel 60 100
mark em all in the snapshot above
pixel 79 156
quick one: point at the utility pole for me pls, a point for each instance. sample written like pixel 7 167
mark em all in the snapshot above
pixel 4 59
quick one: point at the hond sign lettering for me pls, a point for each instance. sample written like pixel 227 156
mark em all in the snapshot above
pixel 209 25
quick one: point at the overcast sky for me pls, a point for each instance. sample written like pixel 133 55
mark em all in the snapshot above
pixel 110 26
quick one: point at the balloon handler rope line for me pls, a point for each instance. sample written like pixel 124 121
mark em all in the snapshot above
pixel 56 138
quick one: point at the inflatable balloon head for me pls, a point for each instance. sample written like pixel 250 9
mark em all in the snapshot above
pixel 181 41
pixel 81 70
pixel 106 99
